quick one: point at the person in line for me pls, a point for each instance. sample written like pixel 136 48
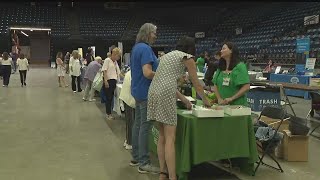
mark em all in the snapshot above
pixel 66 62
pixel 200 62
pixel 6 64
pixel 162 100
pixel 61 69
pixel 23 67
pixel 129 106
pixel 231 80
pixel 143 66
pixel 89 56
pixel 89 76
pixel 75 71
pixel 111 75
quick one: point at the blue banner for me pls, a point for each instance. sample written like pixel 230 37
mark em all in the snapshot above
pixel 303 45
pixel 300 68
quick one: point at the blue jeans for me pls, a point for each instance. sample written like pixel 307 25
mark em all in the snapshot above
pixel 140 134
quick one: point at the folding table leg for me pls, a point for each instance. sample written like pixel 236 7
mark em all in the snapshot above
pixel 287 100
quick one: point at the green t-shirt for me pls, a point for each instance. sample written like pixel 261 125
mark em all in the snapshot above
pixel 238 77
pixel 200 64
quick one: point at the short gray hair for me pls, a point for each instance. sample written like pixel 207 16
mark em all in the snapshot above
pixel 145 31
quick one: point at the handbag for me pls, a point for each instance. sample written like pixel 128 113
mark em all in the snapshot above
pixel 98 81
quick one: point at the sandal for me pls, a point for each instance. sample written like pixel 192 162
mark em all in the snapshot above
pixel 165 174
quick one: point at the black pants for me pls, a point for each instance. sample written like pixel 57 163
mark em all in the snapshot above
pixel 67 68
pixel 6 73
pixel 129 114
pixel 23 76
pixel 73 82
pixel 109 94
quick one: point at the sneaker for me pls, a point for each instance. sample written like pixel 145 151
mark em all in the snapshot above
pixel 84 99
pixel 148 168
pixel 110 117
pixel 92 100
pixel 128 147
pixel 75 91
pixel 133 163
pixel 3 85
pixel 25 84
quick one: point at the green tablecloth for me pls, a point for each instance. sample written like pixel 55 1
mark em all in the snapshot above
pixel 200 140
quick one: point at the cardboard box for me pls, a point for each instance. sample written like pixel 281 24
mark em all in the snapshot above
pixel 314 82
pixel 295 147
pixel 199 111
pixel 237 110
pixel 274 123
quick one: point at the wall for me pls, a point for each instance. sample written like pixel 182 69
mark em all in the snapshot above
pixel 39 47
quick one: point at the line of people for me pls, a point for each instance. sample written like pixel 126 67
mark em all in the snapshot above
pixel 7 66
pixel 109 67
pixel 154 90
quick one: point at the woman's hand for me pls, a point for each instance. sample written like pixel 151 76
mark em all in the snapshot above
pixel 225 101
pixel 228 100
pixel 206 103
pixel 220 101
pixel 187 103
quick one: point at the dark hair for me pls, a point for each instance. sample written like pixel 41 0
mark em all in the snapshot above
pixel 186 44
pixel 5 56
pixel 89 50
pixel 234 57
pixel 21 56
pixel 201 55
pixel 272 63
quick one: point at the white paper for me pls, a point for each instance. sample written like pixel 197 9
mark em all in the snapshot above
pixel 187 112
pixel 310 63
pixel 277 70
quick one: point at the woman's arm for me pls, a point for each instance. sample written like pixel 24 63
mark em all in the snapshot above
pixel 241 92
pixel 216 92
pixel 191 66
pixel 184 99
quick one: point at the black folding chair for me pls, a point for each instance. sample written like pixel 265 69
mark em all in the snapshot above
pixel 315 106
pixel 274 113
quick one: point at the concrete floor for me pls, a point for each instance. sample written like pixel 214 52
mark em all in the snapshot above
pixel 47 132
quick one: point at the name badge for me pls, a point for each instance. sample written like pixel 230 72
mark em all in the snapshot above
pixel 226 81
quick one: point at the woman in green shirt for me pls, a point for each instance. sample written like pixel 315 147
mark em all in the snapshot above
pixel 200 63
pixel 231 80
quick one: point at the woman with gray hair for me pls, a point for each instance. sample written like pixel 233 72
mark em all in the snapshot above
pixel 90 73
pixel 143 66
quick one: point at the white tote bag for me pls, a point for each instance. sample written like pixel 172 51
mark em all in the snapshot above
pixel 98 81
pixel 125 93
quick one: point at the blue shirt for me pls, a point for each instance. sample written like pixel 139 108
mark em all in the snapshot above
pixel 141 54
